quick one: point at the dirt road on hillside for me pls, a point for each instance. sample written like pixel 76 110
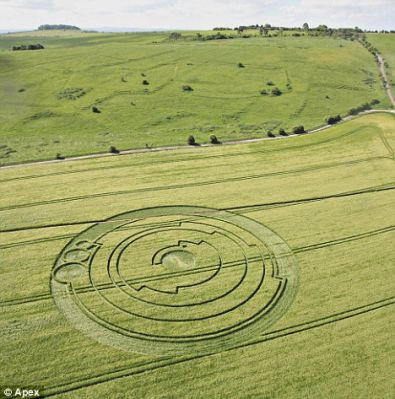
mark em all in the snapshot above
pixel 383 73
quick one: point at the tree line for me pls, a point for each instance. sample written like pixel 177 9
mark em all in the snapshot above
pixel 58 27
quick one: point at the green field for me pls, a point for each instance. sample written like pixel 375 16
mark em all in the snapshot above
pixel 386 46
pixel 316 210
pixel 47 95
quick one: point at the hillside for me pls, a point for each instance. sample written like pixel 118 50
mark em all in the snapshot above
pixel 48 97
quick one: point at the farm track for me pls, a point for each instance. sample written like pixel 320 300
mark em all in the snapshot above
pixel 387 146
pixel 248 208
pixel 239 209
pixel 383 73
pixel 185 185
pixel 180 147
pixel 307 248
pixel 186 159
pixel 167 362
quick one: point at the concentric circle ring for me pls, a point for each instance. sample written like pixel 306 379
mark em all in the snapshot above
pixel 175 279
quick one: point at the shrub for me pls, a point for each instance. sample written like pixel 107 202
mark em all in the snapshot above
pixel 264 92
pixel 361 108
pixel 270 134
pixel 191 140
pixel 96 110
pixel 375 102
pixel 28 47
pixel 298 129
pixel 187 88
pixel 145 82
pixel 175 36
pixel 332 120
pixel 114 150
pixel 59 156
pixel 270 83
pixel 72 93
pixel 276 92
pixel 282 132
pixel 214 139
pixel 240 65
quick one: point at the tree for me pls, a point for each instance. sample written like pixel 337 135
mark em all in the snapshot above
pixel 214 139
pixel 298 129
pixel 114 150
pixel 191 140
pixel 175 36
pixel 332 120
pixel 276 91
pixel 282 132
pixel 306 26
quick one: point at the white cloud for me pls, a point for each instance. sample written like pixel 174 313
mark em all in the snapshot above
pixel 173 14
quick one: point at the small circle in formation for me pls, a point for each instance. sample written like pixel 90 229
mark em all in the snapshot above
pixel 175 279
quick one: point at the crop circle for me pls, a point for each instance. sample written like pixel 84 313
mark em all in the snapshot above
pixel 175 279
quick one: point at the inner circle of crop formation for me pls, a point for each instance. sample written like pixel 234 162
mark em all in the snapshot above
pixel 175 279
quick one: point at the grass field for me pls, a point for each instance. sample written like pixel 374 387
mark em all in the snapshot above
pixel 48 95
pixel 328 195
pixel 386 46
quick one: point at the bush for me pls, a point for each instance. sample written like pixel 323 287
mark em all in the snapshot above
pixel 145 82
pixel 114 150
pixel 375 102
pixel 270 83
pixel 361 108
pixel 298 129
pixel 191 140
pixel 96 110
pixel 59 156
pixel 187 88
pixel 28 47
pixel 240 65
pixel 276 92
pixel 214 139
pixel 282 132
pixel 264 92
pixel 175 36
pixel 332 120
pixel 270 134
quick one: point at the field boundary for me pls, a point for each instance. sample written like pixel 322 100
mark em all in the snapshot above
pixel 185 146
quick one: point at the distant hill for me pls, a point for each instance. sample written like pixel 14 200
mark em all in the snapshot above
pixel 58 27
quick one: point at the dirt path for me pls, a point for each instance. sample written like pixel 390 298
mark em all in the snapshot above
pixel 186 147
pixel 386 82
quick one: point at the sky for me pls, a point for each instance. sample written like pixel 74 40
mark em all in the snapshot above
pixel 196 14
